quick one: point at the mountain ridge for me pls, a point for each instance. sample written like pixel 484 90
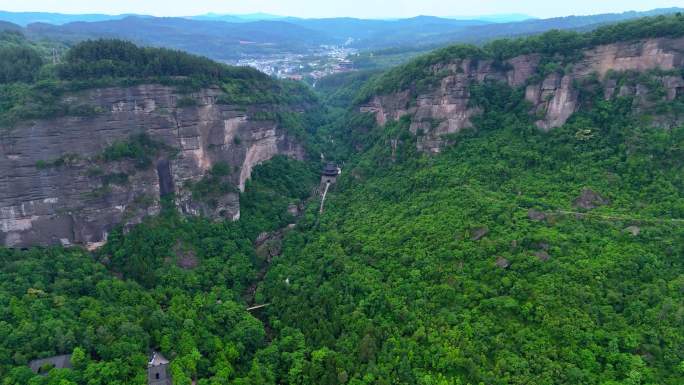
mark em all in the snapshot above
pixel 176 32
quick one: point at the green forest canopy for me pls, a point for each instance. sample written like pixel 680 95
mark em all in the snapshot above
pixel 468 267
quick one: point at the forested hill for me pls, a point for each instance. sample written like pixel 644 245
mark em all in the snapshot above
pixel 27 67
pixel 518 254
pixel 7 26
pixel 487 228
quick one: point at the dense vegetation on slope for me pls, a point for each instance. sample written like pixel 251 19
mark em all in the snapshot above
pixel 341 131
pixel 172 283
pixel 118 58
pixel 469 267
pixel 19 62
pixel 395 284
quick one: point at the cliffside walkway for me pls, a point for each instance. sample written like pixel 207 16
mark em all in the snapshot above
pixel 325 192
pixel 257 307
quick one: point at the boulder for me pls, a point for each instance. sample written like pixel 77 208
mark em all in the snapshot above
pixel 271 248
pixel 293 209
pixel 634 230
pixel 185 257
pixel 503 263
pixel 536 215
pixel 269 245
pixel 261 238
pixel 478 233
pixel 188 261
pixel 542 255
pixel 589 200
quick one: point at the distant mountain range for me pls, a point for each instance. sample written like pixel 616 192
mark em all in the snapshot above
pixel 216 39
pixel 496 18
pixel 238 18
pixel 480 34
pixel 6 25
pixel 25 18
pixel 229 37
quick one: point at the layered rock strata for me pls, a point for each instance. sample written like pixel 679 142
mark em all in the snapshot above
pixel 44 202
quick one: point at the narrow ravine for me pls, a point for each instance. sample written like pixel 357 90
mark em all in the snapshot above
pixel 269 243
pixel 268 246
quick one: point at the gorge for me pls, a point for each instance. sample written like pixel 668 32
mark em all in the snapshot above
pixel 509 214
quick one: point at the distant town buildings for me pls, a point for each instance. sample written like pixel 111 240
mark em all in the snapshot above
pixel 327 60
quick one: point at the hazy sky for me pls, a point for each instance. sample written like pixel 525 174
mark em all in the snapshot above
pixel 326 8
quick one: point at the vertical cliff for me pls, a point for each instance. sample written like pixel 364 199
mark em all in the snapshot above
pixel 64 182
pixel 554 95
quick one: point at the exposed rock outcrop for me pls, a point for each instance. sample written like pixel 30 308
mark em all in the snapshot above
pixel 503 263
pixel 589 199
pixel 69 203
pixel 542 255
pixel 633 230
pixel 446 108
pixel 536 215
pixel 478 233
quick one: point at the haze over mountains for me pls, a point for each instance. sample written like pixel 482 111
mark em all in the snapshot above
pixel 26 18
pixel 231 37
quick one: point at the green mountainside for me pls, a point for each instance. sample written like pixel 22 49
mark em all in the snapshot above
pixel 514 256
pixel 476 267
pixel 31 87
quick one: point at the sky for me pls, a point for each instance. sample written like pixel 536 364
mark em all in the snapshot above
pixel 338 8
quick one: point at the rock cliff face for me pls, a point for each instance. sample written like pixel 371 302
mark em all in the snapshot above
pixel 75 201
pixel 446 108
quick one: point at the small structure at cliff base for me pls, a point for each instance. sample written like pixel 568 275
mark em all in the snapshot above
pixel 44 365
pixel 328 177
pixel 329 173
pixel 158 370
